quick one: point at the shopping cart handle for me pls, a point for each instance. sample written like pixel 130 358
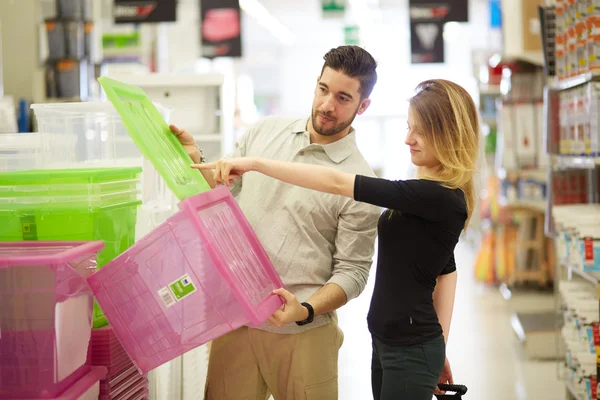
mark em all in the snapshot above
pixel 460 389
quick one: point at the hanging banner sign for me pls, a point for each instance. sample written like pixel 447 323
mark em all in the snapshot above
pixel 427 19
pixel 439 10
pixel 426 42
pixel 220 28
pixel 333 8
pixel 144 11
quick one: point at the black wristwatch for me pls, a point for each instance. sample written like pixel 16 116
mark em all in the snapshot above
pixel 311 315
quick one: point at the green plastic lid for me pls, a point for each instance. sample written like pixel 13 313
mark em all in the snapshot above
pixel 152 136
pixel 75 203
pixel 68 176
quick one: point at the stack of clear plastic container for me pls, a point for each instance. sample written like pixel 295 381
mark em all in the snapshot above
pixel 96 126
pixel 98 137
pixel 22 151
pixel 123 380
pixel 73 204
pixel 45 318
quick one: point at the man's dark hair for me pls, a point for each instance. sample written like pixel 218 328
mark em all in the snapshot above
pixel 355 62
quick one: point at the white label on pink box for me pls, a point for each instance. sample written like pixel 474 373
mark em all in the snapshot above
pixel 177 290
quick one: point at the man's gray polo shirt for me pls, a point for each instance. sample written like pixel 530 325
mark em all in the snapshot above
pixel 312 238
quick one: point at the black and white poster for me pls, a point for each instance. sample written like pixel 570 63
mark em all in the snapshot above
pixel 144 11
pixel 426 42
pixel 440 10
pixel 220 28
pixel 427 19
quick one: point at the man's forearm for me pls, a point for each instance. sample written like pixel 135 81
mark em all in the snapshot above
pixel 209 176
pixel 329 298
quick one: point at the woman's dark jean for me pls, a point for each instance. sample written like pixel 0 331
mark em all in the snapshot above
pixel 407 373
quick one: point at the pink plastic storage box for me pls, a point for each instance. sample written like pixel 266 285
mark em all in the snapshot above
pixel 200 274
pixel 45 316
pixel 86 388
pixel 123 376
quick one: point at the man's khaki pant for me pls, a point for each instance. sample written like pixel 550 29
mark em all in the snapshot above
pixel 250 364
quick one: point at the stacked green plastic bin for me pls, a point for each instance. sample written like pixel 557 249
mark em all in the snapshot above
pixel 73 204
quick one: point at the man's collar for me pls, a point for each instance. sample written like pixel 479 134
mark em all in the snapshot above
pixel 337 151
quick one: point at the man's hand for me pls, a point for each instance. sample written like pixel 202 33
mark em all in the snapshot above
pixel 292 310
pixel 445 377
pixel 188 142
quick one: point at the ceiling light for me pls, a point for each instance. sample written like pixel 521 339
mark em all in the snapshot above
pixel 257 11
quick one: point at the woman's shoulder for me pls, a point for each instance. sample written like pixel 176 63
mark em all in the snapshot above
pixel 442 192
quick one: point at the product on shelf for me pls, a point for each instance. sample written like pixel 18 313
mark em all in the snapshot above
pixel 579 117
pixel 88 31
pixel 46 316
pixel 593 94
pixel 593 28
pixel 521 118
pixel 560 39
pixel 578 235
pixel 74 9
pixel 577 48
pixel 197 276
pixel 73 78
pixel 65 39
pixel 580 334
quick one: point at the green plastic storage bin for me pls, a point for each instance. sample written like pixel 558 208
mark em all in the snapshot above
pixel 152 136
pixel 72 205
pixel 114 224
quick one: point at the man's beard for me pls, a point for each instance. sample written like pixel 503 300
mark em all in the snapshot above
pixel 333 130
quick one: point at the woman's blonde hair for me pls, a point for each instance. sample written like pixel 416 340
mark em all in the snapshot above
pixel 448 122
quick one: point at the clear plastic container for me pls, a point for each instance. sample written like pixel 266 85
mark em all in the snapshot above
pixel 22 151
pixel 97 127
pixel 93 125
pixel 97 137
pixel 199 275
pixel 45 318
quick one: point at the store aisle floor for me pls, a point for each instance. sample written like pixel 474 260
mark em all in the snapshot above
pixel 483 350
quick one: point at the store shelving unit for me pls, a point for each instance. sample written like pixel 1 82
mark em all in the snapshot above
pixel 563 270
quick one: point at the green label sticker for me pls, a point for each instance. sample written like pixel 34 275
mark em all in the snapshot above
pixel 28 227
pixel 177 291
pixel 182 287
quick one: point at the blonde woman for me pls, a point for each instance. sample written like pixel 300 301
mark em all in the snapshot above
pixel 412 303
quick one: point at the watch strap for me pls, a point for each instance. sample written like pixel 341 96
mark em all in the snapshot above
pixel 311 315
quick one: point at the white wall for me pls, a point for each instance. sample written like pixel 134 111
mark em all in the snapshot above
pixel 390 45
pixel 21 65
